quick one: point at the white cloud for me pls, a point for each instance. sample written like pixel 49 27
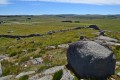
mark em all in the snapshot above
pixel 4 2
pixel 98 2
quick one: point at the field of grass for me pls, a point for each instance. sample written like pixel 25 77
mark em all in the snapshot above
pixel 35 46
pixel 42 24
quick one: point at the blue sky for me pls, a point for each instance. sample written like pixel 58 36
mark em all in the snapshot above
pixel 38 7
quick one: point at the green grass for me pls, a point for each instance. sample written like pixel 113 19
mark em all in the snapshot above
pixel 35 46
pixel 25 77
pixel 10 68
pixel 57 75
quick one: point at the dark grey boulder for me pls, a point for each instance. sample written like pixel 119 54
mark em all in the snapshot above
pixel 102 33
pixel 94 27
pixel 90 59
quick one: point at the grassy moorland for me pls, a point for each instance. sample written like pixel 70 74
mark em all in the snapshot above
pixel 35 46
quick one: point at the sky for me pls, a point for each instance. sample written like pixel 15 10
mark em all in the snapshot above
pixel 40 7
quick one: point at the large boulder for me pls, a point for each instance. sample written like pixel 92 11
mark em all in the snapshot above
pixel 90 59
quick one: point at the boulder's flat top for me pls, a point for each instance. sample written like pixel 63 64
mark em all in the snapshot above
pixel 92 48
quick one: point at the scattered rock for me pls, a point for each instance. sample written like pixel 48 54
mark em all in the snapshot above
pixel 0 69
pixel 24 73
pixel 96 33
pixel 63 46
pixel 10 31
pixel 105 38
pixel 116 67
pixel 118 74
pixel 32 61
pixel 102 33
pixel 113 44
pixel 117 63
pixel 112 78
pixel 90 59
pixel 24 51
pixel 37 61
pixel 50 47
pixel 6 77
pixel 107 43
pixel 82 37
pixel 16 64
pixel 52 70
pixel 3 57
pixel 94 27
pixel 47 77
pixel 67 75
pixel 50 32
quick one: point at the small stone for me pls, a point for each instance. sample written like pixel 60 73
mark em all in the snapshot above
pixel 37 61
pixel 116 67
pixel 117 63
pixel 63 46
pixel 50 47
pixel 112 79
pixel 24 51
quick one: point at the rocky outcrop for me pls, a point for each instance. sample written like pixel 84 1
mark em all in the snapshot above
pixel 47 77
pixel 8 77
pixel 24 73
pixel 52 70
pixel 35 77
pixel 67 75
pixel 90 59
pixel 63 46
pixel 3 57
pixel 105 38
pixel 94 27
